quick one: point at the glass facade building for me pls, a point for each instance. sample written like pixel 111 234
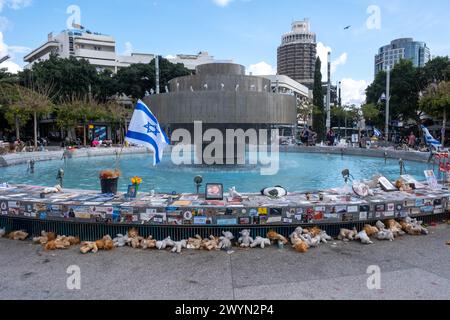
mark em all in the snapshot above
pixel 406 48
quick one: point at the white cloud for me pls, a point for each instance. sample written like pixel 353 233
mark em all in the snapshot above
pixel 353 91
pixel 222 3
pixel 14 4
pixel 322 53
pixel 261 68
pixel 11 51
pixel 128 49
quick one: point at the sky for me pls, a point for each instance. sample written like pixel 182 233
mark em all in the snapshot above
pixel 247 31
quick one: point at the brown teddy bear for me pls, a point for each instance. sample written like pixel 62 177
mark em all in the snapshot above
pixel 18 235
pixel 210 244
pixel 298 244
pixel 370 230
pixel 106 243
pixel 87 247
pixel 194 243
pixel 395 227
pixel 148 243
pixel 274 236
pixel 347 235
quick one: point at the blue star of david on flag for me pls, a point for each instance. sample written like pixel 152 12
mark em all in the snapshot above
pixel 144 130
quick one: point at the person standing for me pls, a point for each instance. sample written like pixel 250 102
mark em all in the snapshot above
pixel 412 140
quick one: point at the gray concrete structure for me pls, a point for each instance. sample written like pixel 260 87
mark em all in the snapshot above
pixel 221 96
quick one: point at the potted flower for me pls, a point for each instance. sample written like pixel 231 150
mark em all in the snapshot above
pixel 109 180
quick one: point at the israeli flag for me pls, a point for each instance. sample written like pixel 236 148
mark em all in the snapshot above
pixel 430 140
pixel 144 130
pixel 377 132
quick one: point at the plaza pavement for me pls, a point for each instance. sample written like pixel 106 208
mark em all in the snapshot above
pixel 412 268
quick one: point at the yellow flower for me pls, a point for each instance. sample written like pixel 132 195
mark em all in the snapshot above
pixel 136 180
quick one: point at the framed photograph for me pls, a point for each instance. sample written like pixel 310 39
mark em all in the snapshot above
pixel 132 192
pixel 214 191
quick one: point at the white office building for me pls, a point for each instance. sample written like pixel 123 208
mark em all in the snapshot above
pixel 98 49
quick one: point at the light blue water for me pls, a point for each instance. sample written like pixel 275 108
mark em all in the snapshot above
pixel 298 172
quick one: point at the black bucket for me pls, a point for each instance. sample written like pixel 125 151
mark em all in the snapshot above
pixel 109 186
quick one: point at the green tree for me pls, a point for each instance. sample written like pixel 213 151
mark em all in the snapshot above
pixel 138 79
pixel 319 107
pixel 13 110
pixel 436 102
pixel 405 88
pixel 371 114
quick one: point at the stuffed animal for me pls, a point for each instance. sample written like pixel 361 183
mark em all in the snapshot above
pixel 166 243
pixel 298 244
pixel 261 242
pixel 370 231
pixel 324 237
pixel 380 225
pixel 234 194
pixel 210 244
pixel 44 238
pixel 402 185
pixel 194 243
pixel 106 243
pixel 314 232
pixel 395 227
pixel 225 241
pixel 62 243
pixel 148 243
pixel 2 232
pixel 87 247
pixel 121 240
pixel 347 235
pixel 273 236
pixel 245 240
pixel 178 246
pixel 363 237
pixel 385 235
pixel 55 189
pixel 312 242
pixel 413 227
pixel 18 235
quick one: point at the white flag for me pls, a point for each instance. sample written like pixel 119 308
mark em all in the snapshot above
pixel 144 130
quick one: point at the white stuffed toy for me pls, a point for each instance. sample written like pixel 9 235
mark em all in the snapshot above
pixel 2 232
pixel 121 240
pixel 55 189
pixel 234 194
pixel 324 237
pixel 312 242
pixel 385 235
pixel 166 243
pixel 380 225
pixel 225 241
pixel 298 232
pixel 260 241
pixel 363 237
pixel 245 240
pixel 178 246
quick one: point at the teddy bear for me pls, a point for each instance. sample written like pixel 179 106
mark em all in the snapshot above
pixel 402 186
pixel 2 232
pixel 18 235
pixel 311 241
pixel 324 237
pixel 413 227
pixel 225 241
pixel 87 247
pixel 395 227
pixel 178 246
pixel 44 238
pixel 194 243
pixel 166 243
pixel 148 243
pixel 121 241
pixel 261 242
pixel 380 225
pixel 245 240
pixel 274 236
pixel 347 235
pixel 298 244
pixel 385 235
pixel 370 230
pixel 314 232
pixel 363 237
pixel 210 244
pixel 106 243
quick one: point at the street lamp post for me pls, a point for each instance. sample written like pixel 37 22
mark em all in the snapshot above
pixel 388 98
